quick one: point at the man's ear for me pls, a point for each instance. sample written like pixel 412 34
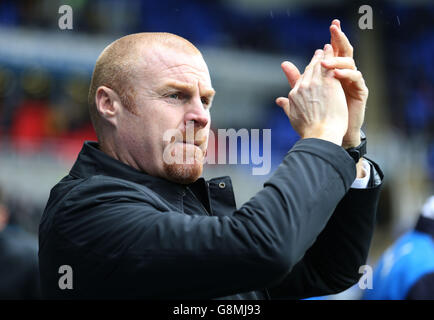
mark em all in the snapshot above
pixel 108 104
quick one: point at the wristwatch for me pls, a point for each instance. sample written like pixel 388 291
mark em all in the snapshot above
pixel 357 152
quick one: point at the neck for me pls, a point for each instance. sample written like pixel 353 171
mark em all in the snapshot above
pixel 115 150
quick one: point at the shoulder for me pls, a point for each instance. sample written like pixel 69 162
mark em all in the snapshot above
pixel 99 188
pixel 76 201
pixel 99 210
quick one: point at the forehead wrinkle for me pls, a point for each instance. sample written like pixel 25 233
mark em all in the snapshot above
pixel 186 69
pixel 180 85
pixel 173 62
pixel 181 71
pixel 181 74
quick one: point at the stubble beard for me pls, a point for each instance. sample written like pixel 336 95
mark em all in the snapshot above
pixel 185 172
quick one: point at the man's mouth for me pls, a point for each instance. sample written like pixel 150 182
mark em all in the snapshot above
pixel 195 143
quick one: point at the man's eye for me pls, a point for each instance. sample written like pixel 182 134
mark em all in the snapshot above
pixel 205 100
pixel 174 96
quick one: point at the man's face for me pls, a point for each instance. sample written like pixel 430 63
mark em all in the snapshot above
pixel 168 135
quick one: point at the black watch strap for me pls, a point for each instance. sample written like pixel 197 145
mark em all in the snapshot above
pixel 357 152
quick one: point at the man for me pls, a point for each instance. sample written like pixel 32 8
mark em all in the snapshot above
pixel 406 270
pixel 130 223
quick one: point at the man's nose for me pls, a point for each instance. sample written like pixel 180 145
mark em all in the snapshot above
pixel 197 113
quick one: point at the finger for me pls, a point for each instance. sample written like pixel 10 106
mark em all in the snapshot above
pixel 308 73
pixel 291 72
pixel 340 43
pixel 339 63
pixel 328 52
pixel 281 101
pixel 318 53
pixel 284 104
pixel 337 23
pixel 333 40
pixel 350 75
pixel 334 36
pixel 319 72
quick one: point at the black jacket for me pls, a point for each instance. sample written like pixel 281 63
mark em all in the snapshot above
pixel 126 234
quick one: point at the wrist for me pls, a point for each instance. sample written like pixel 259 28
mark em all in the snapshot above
pixel 356 148
pixel 351 139
pixel 347 144
pixel 327 135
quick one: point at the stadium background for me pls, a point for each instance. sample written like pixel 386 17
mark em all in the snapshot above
pixel 45 72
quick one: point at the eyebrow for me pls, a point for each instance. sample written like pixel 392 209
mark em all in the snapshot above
pixel 183 86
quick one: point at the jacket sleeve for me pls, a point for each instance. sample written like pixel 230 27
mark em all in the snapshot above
pixel 332 264
pixel 121 238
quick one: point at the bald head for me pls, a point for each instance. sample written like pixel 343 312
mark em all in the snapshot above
pixel 116 66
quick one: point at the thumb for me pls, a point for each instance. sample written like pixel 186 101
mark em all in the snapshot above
pixel 284 104
pixel 291 72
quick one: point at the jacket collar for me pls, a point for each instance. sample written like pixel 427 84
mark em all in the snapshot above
pixel 92 161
